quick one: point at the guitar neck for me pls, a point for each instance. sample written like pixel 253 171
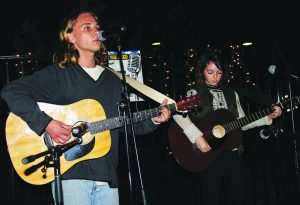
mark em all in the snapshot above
pixel 236 124
pixel 116 122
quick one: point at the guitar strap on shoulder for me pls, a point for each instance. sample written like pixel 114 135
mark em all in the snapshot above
pixel 183 122
pixel 146 90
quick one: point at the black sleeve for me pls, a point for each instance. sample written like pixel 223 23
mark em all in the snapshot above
pixel 23 94
pixel 145 127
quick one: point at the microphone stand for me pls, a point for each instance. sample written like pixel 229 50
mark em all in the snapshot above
pixel 288 77
pixel 55 153
pixel 127 100
pixel 294 135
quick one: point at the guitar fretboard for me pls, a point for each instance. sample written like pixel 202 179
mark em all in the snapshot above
pixel 284 104
pixel 247 119
pixel 115 122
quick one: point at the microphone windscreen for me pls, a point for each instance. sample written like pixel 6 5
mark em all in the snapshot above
pixel 272 69
pixel 101 35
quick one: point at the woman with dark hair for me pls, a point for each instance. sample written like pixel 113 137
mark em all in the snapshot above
pixel 224 176
pixel 77 74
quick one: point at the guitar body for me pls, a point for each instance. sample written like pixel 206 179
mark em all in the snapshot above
pixel 23 142
pixel 188 155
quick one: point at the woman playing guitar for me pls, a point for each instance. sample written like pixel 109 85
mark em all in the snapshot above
pixel 225 172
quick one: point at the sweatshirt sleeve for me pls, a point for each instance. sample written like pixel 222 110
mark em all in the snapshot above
pixel 23 94
pixel 257 123
pixel 188 127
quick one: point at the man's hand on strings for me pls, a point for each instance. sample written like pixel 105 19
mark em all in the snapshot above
pixel 59 131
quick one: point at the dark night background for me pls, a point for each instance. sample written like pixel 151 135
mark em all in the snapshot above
pixel 271 175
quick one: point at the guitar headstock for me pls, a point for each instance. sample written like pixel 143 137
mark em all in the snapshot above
pixel 288 104
pixel 190 103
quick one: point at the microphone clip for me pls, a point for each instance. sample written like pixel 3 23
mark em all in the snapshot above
pixel 80 129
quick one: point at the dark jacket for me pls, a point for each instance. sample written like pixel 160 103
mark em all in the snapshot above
pixel 59 86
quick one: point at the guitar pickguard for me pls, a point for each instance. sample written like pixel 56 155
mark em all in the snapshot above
pixel 79 151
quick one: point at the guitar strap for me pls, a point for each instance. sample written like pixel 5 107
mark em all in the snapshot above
pixel 146 90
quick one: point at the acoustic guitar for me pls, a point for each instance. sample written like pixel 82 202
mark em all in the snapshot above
pixel 221 130
pixel 25 146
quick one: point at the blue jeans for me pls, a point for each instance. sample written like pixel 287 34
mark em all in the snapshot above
pixel 79 192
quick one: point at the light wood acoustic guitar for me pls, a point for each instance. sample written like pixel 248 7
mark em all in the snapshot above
pixel 25 146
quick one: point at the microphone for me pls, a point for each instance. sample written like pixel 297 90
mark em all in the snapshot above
pixel 273 129
pixel 265 133
pixel 28 159
pixel 80 130
pixel 33 168
pixel 116 33
pixel 272 69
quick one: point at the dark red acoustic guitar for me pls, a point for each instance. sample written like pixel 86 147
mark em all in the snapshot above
pixel 221 130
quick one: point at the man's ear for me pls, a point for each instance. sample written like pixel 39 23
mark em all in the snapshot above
pixel 71 38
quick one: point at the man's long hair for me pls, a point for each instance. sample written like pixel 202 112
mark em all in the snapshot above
pixel 66 52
